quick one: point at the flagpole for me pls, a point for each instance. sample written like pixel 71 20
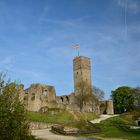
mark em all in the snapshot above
pixel 78 52
pixel 76 47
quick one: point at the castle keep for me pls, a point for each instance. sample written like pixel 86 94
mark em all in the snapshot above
pixel 81 70
pixel 39 97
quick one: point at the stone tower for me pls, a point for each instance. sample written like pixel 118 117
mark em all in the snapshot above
pixel 109 107
pixel 81 70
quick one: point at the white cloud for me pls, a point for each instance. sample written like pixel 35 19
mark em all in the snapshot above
pixel 133 6
pixel 7 63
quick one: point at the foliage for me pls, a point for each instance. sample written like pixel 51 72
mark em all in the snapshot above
pixel 123 99
pixel 13 122
pixel 99 94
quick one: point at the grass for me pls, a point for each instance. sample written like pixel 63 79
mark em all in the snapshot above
pixel 118 127
pixel 62 117
pixel 86 115
pixel 66 118
pixel 131 116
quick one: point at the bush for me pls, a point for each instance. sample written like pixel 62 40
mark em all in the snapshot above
pixel 13 123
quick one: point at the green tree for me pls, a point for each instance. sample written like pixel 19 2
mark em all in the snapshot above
pixel 123 99
pixel 13 122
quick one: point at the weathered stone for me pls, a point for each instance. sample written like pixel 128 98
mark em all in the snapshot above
pixel 109 107
pixel 81 70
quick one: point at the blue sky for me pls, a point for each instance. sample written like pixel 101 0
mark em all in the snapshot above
pixel 36 39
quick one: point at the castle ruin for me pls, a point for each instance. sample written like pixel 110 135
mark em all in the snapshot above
pixel 40 97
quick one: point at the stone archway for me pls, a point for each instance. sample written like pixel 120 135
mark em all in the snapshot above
pixel 102 108
pixel 67 98
pixel 62 99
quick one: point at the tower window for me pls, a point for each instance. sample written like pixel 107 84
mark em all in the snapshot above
pixel 77 73
pixel 45 92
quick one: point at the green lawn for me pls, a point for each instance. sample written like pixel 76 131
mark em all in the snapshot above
pixel 118 127
pixel 64 117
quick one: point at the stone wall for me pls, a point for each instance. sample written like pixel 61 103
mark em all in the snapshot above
pixel 106 107
pixel 40 125
pixel 37 96
pixel 40 97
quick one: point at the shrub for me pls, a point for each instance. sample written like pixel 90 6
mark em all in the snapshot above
pixel 13 123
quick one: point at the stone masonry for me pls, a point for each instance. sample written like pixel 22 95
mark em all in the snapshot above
pixel 81 71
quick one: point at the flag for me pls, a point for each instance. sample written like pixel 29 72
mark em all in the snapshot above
pixel 76 46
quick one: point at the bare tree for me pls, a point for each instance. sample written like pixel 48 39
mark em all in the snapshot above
pixel 98 93
pixel 84 94
pixel 136 95
pixel 2 82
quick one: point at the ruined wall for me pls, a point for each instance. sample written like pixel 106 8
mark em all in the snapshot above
pixel 109 107
pixel 106 107
pixel 37 96
pixel 40 97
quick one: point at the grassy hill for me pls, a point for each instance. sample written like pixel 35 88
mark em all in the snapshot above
pixel 119 127
pixel 116 127
pixel 61 117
